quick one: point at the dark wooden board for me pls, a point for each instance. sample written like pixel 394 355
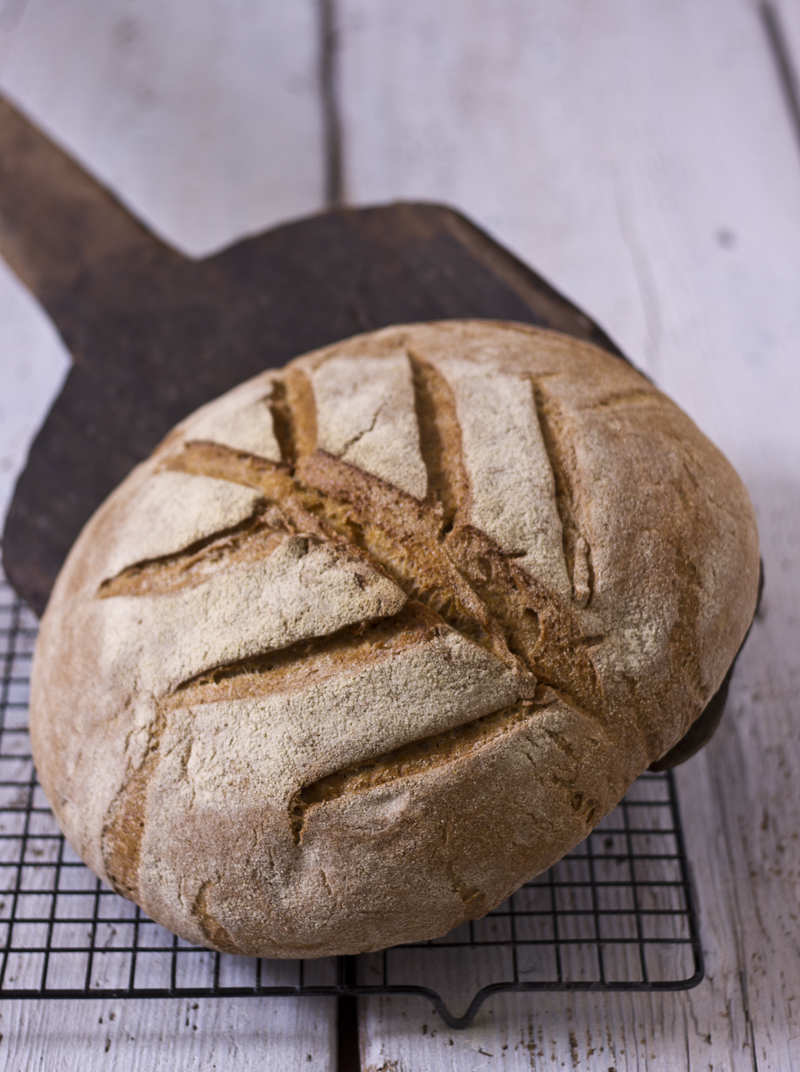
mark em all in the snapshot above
pixel 154 335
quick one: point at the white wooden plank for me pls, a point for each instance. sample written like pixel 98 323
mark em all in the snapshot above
pixel 624 1032
pixel 263 1034
pixel 206 120
pixel 641 157
pixel 33 363
pixel 10 11
pixel 204 116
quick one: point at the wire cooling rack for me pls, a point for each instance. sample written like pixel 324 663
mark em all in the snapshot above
pixel 616 914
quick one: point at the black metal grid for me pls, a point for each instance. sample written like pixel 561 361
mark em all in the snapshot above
pixel 616 914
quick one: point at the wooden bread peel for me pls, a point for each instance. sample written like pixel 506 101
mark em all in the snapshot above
pixel 154 335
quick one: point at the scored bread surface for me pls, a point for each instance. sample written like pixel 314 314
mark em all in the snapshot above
pixel 373 639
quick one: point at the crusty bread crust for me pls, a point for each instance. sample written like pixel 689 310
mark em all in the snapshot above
pixel 374 639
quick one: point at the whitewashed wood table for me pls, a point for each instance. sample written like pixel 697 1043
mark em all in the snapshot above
pixel 645 157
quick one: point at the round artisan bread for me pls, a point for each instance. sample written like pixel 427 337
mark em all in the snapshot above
pixel 373 639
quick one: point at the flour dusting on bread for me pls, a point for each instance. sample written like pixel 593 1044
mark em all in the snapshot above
pixel 375 638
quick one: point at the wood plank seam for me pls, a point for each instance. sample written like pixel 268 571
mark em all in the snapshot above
pixel 784 62
pixel 329 101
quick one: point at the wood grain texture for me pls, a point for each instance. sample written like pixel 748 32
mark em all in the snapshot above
pixel 642 157
pixel 247 1034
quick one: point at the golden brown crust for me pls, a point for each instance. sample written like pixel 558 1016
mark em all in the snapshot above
pixel 372 640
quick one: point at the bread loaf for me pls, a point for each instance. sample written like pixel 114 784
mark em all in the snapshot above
pixel 373 639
